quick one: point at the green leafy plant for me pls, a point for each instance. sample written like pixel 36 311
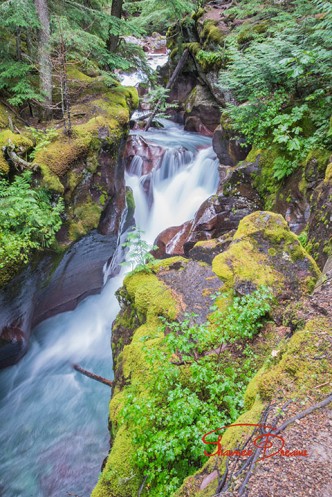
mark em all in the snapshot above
pixel 42 137
pixel 192 386
pixel 159 95
pixel 138 256
pixel 28 219
pixel 280 81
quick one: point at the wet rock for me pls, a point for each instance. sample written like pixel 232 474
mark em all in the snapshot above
pixel 207 250
pixel 265 252
pixel 182 88
pixel 194 123
pixel 203 107
pixel 193 284
pixel 171 240
pixel 228 149
pixel 222 213
pixel 320 221
pixel 292 203
pixel 219 214
pixel 52 287
pixel 150 156
pixel 216 216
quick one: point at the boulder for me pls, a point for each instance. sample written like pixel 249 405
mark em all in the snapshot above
pixel 171 241
pixel 229 149
pixel 201 105
pixel 265 252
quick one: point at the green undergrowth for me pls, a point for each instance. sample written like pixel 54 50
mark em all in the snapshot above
pixel 177 386
pixel 291 373
pixel 29 221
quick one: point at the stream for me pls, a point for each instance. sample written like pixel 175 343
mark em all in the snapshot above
pixel 53 420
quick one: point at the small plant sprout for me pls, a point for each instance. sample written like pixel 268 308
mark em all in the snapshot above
pixel 138 256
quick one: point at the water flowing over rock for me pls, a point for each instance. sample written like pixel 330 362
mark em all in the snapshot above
pixel 219 214
pixel 141 157
pixel 171 240
pixel 186 174
pixel 58 282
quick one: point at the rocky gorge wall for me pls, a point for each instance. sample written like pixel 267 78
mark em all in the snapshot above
pixel 85 170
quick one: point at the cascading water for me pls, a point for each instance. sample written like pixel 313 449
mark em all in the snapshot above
pixel 53 420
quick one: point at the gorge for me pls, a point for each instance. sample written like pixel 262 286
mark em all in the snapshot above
pixel 227 320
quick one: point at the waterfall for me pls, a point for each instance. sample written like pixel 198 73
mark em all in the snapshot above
pixel 54 421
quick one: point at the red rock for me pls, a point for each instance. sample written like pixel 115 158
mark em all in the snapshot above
pixel 171 241
pixel 151 154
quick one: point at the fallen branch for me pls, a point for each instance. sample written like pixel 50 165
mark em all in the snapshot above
pixel 18 161
pixel 169 85
pixel 250 463
pixel 304 413
pixel 92 375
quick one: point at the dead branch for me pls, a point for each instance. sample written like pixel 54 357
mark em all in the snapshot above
pixel 18 161
pixel 93 376
pixel 169 85
pixel 304 413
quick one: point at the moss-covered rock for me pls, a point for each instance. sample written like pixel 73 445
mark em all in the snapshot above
pixel 118 478
pixel 265 252
pixel 320 221
pixel 297 371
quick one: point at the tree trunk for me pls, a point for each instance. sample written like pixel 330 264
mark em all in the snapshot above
pixel 116 11
pixel 45 64
pixel 169 85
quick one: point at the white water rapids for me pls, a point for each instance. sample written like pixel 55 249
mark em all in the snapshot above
pixel 53 420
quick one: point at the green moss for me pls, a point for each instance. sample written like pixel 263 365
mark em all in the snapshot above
pixel 3 117
pixel 4 166
pixel 207 243
pixel 119 478
pixel 211 34
pixel 109 113
pixel 264 182
pixel 169 263
pixel 298 371
pixel 241 262
pixel 198 14
pixel 245 261
pixel 21 142
pixel 317 160
pixel 193 47
pixel 328 173
pixel 253 154
pixel 74 178
pixel 8 272
pixel 130 201
pixel 150 296
pixel 86 217
pixel 75 74
pixel 273 225
pixel 50 180
pixel 249 31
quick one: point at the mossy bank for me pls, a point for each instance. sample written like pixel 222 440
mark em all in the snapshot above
pixel 264 252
